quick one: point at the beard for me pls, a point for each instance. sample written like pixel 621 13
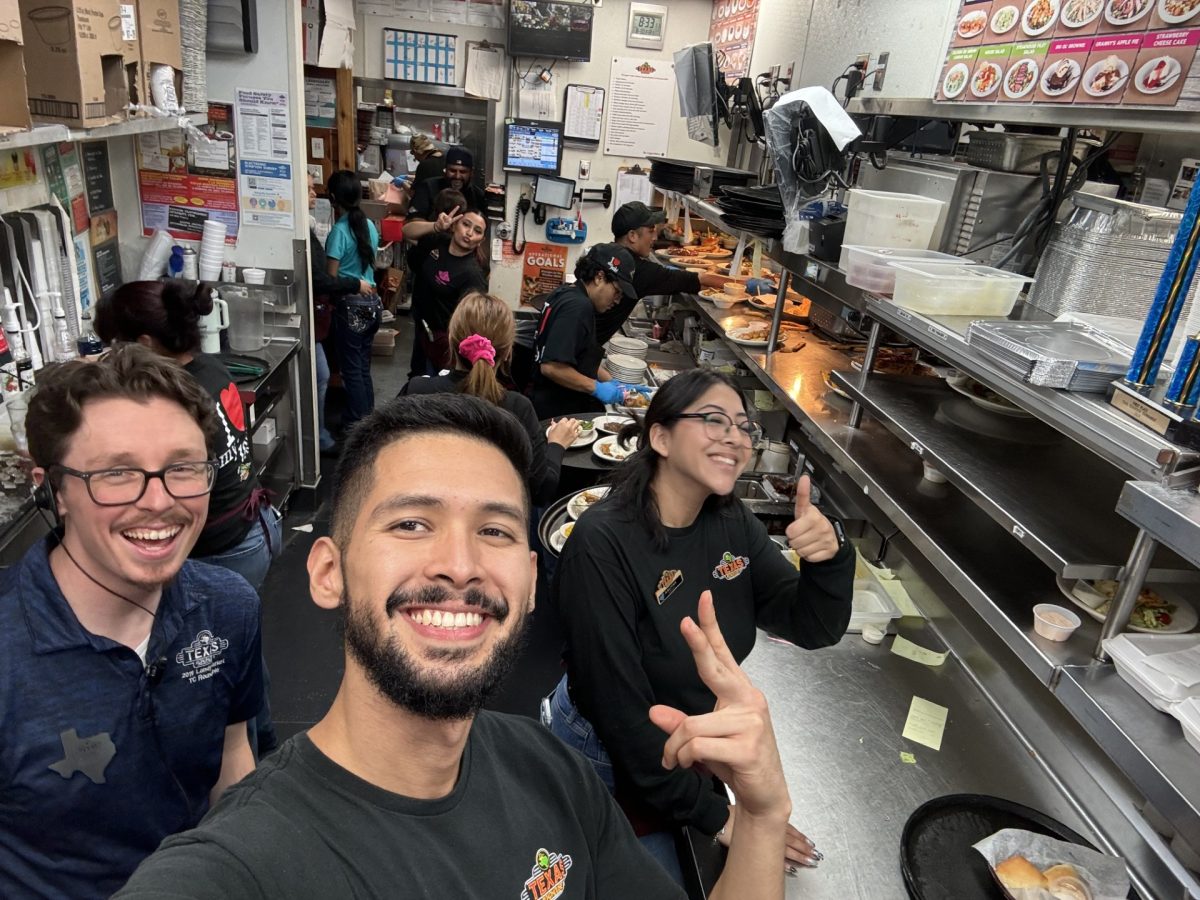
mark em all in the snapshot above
pixel 401 679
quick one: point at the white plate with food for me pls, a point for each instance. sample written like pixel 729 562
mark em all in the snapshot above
pixel 972 24
pixel 1155 612
pixel 1177 12
pixel 984 397
pixel 1106 76
pixel 635 402
pixel 585 500
pixel 750 335
pixel 1005 19
pixel 1020 79
pixel 612 424
pixel 986 80
pixel 1078 13
pixel 1061 77
pixel 610 450
pixel 587 434
pixel 722 300
pixel 1126 12
pixel 1158 75
pixel 955 81
pixel 1040 16
pixel 561 533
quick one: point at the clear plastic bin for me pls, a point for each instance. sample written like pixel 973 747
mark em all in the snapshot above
pixel 870 268
pixel 946 290
pixel 886 219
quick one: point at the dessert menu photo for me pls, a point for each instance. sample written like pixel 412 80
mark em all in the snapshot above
pixel 1083 52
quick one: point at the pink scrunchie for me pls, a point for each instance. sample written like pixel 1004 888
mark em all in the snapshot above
pixel 477 347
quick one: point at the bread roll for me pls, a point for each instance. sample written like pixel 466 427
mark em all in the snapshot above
pixel 1018 873
pixel 1064 883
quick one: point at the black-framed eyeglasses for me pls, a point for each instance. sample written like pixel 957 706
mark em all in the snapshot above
pixel 717 425
pixel 125 485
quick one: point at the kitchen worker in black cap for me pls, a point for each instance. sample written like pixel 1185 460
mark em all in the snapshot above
pixel 459 174
pixel 569 377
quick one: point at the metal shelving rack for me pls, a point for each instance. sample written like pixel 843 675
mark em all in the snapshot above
pixel 40 135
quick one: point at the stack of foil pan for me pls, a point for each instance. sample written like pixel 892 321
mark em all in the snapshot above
pixel 1106 259
pixel 1065 355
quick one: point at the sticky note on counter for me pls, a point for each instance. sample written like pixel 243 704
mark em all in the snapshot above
pixel 895 589
pixel 906 648
pixel 926 723
pixel 908 758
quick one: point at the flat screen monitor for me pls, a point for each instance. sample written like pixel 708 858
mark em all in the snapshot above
pixel 552 30
pixel 551 191
pixel 532 147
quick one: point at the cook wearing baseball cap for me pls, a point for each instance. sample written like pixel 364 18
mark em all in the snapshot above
pixel 569 377
pixel 459 174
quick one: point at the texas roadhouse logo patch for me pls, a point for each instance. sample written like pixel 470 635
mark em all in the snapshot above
pixel 202 658
pixel 549 876
pixel 730 566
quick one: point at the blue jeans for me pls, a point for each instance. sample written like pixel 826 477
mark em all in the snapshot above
pixel 325 439
pixel 252 557
pixel 564 720
pixel 355 322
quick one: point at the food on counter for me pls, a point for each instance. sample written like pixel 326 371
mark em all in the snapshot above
pixel 1057 619
pixel 1039 15
pixel 751 333
pixel 635 400
pixel 586 426
pixel 986 80
pixel 1062 77
pixel 1022 879
pixel 1106 76
pixel 1122 12
pixel 972 24
pixel 1077 13
pixel 1151 611
pixel 1005 18
pixel 1017 874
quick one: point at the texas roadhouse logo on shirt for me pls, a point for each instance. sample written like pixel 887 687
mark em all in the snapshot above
pixel 202 658
pixel 730 566
pixel 548 878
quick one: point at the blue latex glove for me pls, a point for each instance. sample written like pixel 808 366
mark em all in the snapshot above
pixel 644 389
pixel 610 391
pixel 757 286
pixel 400 181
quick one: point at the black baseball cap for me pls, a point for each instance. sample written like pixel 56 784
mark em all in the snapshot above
pixel 635 215
pixel 619 263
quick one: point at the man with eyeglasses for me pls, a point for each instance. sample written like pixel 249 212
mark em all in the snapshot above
pixel 127 672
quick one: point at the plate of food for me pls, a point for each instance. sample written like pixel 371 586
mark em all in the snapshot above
pixel 610 449
pixel 721 299
pixel 612 424
pixel 1040 16
pixel 634 402
pixel 1078 13
pixel 827 377
pixel 1126 12
pixel 1061 77
pixel 986 80
pixel 561 533
pixel 1106 76
pixel 984 397
pixel 1156 612
pixel 585 500
pixel 1177 12
pixel 718 253
pixel 587 434
pixel 750 335
pixel 955 81
pixel 1158 75
pixel 972 24
pixel 1005 19
pixel 1020 79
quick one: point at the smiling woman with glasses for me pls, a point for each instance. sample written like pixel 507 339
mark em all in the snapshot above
pixel 637 563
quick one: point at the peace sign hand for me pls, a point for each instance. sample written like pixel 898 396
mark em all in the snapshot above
pixel 445 221
pixel 811 535
pixel 735 741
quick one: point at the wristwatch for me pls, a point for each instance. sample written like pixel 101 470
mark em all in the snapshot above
pixel 838 530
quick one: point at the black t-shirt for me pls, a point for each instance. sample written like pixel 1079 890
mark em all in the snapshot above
pixel 429 167
pixel 426 192
pixel 649 280
pixel 527 815
pixel 443 280
pixel 235 475
pixel 621 603
pixel 547 457
pixel 566 334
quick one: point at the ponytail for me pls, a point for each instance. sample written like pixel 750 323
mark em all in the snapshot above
pixel 481 382
pixel 346 192
pixel 357 220
pixel 478 320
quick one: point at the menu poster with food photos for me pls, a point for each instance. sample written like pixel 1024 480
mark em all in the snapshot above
pixel 1141 53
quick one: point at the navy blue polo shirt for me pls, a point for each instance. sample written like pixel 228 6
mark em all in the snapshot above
pixel 98 761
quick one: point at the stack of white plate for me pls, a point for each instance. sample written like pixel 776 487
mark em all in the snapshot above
pixel 628 346
pixel 212 250
pixel 626 368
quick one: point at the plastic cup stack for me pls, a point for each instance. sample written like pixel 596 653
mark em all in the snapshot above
pixel 154 262
pixel 212 250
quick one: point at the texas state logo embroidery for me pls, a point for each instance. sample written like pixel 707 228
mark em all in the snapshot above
pixel 730 566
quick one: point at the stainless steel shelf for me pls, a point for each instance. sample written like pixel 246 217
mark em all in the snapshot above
pixel 40 135
pixel 1147 745
pixel 1086 418
pixel 1052 495
pixel 1170 516
pixel 1140 120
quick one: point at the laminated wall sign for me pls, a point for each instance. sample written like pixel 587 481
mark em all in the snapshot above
pixel 731 32
pixel 264 147
pixel 640 106
pixel 1126 53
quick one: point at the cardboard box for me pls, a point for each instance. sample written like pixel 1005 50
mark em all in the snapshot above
pixel 14 102
pixel 80 56
pixel 160 44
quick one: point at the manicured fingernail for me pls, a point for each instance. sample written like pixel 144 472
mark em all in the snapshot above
pixel 792 871
pixel 817 854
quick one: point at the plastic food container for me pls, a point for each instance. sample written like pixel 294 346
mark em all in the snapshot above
pixel 871 604
pixel 886 219
pixel 870 268
pixel 946 290
pixel 1054 623
pixel 1129 654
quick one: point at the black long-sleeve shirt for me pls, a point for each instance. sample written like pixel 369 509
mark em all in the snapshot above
pixel 649 279
pixel 547 457
pixel 622 601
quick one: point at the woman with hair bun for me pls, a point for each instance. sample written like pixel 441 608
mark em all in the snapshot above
pixel 481 334
pixel 243 530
